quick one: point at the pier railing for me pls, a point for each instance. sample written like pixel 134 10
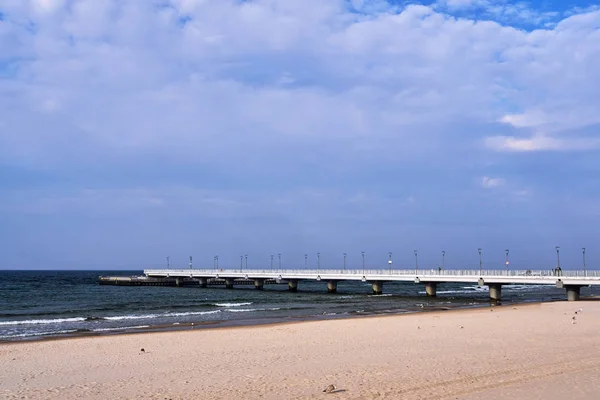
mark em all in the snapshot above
pixel 390 272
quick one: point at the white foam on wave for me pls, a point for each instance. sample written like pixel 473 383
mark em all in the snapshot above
pixel 120 328
pixel 254 309
pixel 231 304
pixel 35 334
pixel 150 316
pixel 41 321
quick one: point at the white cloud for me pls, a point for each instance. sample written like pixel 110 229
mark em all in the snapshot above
pixel 129 76
pixel 491 183
pixel 541 143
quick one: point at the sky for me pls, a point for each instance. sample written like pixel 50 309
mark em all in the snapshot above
pixel 135 130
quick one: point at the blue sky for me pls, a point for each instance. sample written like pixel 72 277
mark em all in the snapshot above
pixel 131 131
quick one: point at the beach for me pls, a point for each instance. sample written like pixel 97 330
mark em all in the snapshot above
pixel 532 351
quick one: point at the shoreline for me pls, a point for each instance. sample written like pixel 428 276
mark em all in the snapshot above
pixel 535 350
pixel 259 322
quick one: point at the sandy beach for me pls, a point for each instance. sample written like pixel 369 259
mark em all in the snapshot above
pixel 535 351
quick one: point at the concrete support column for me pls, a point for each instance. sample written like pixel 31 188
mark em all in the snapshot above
pixel 203 282
pixel 259 284
pixel 495 291
pixel 573 292
pixel 377 287
pixel 229 283
pixel 332 286
pixel 178 282
pixel 293 286
pixel 431 289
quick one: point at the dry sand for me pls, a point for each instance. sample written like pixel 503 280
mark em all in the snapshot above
pixel 527 352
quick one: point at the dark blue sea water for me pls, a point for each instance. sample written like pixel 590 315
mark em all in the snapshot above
pixel 37 304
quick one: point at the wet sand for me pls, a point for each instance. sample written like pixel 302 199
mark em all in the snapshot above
pixel 528 351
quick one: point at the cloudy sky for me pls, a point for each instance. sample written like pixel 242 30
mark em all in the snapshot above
pixel 132 130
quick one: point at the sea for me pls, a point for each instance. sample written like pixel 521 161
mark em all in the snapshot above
pixel 49 304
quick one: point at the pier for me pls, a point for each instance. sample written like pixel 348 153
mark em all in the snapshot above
pixel 571 281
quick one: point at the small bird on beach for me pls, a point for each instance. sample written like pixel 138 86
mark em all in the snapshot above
pixel 329 389
pixel 142 350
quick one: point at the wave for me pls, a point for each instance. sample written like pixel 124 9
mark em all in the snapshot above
pixel 120 328
pixel 231 304
pixel 150 316
pixel 41 321
pixel 254 309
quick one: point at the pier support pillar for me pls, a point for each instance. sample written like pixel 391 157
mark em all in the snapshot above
pixel 229 283
pixel 377 287
pixel 495 291
pixel 573 292
pixel 203 282
pixel 332 287
pixel 259 284
pixel 431 289
pixel 293 286
pixel 178 282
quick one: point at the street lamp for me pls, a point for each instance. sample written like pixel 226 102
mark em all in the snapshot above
pixel 584 269
pixel 190 262
pixel 168 262
pixel 271 262
pixel 305 260
pixel 416 261
pixel 279 255
pixel 318 262
pixel 443 259
pixel 217 261
pixel 480 261
pixel 363 259
pixel 344 262
pixel 246 261
pixel 558 269
pixel 390 261
pixel 241 262
pixel 507 262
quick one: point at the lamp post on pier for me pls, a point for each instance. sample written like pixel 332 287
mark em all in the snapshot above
pixel 507 262
pixel 443 259
pixel 480 261
pixel 305 260
pixel 216 262
pixel 344 262
pixel 241 263
pixel 558 269
pixel 279 256
pixel 584 267
pixel 390 261
pixel 190 262
pixel 246 256
pixel 168 262
pixel 271 262
pixel 318 262
pixel 416 262
pixel 363 261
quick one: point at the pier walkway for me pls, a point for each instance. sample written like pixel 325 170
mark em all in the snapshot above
pixel 571 281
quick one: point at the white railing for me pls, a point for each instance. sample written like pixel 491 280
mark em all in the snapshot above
pixel 381 272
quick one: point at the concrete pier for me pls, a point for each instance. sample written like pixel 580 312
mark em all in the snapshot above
pixel 203 282
pixel 495 291
pixel 229 283
pixel 332 286
pixel 293 286
pixel 573 292
pixel 259 284
pixel 377 287
pixel 431 289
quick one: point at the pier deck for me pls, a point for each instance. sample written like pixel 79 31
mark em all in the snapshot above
pixel 571 281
